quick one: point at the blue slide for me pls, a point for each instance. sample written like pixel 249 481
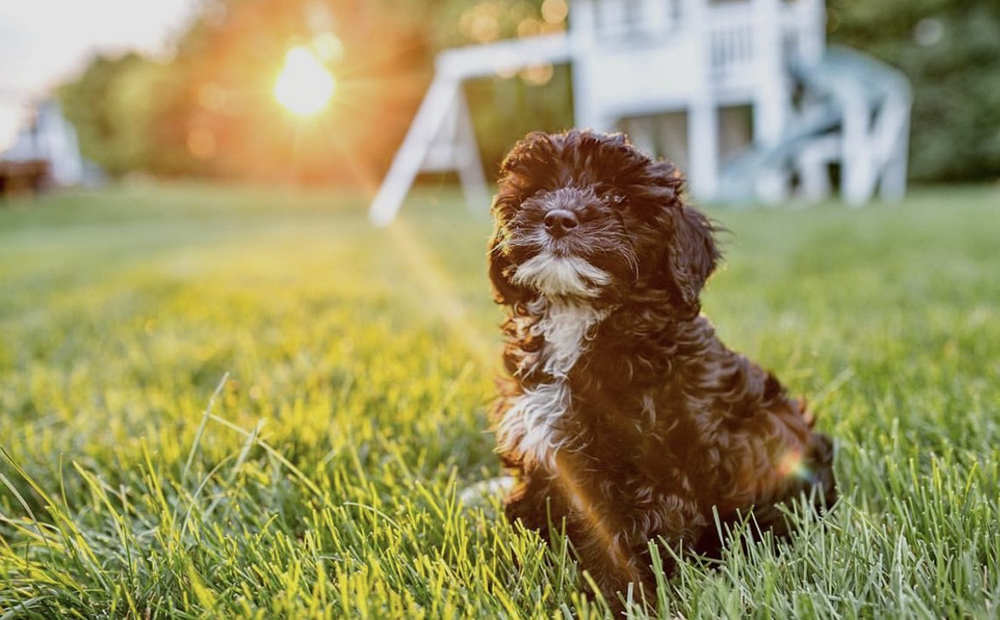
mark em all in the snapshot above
pixel 841 74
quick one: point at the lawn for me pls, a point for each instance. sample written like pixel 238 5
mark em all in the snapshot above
pixel 353 369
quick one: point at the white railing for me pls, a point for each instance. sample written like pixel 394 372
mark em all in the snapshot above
pixel 731 28
pixel 618 20
pixel 730 51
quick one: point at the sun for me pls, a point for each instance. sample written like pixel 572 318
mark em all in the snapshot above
pixel 304 86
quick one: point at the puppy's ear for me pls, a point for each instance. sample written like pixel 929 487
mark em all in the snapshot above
pixel 500 267
pixel 692 256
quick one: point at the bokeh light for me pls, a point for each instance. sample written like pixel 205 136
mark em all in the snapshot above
pixel 555 11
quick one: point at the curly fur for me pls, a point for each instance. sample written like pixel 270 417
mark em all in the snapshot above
pixel 624 416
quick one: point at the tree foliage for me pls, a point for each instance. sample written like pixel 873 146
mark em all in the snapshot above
pixel 210 110
pixel 114 105
pixel 950 50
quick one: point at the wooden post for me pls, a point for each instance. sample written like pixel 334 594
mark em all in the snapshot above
pixel 470 165
pixel 434 109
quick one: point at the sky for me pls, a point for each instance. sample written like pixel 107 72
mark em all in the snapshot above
pixel 45 42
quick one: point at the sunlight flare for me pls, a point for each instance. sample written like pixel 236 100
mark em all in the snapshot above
pixel 793 464
pixel 304 86
pixel 442 295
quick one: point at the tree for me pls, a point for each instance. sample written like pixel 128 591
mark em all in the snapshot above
pixel 950 50
pixel 211 111
pixel 113 105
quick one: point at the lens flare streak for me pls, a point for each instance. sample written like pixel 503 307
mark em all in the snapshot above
pixel 793 464
pixel 441 293
pixel 585 507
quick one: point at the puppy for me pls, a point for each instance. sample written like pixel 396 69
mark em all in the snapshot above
pixel 624 418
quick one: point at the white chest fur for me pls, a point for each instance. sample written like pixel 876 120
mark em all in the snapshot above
pixel 530 426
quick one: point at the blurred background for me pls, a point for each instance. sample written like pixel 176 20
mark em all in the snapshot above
pixel 193 88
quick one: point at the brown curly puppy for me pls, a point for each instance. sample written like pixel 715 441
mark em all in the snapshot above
pixel 624 414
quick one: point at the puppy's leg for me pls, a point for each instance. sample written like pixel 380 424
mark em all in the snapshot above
pixel 615 538
pixel 614 562
pixel 613 518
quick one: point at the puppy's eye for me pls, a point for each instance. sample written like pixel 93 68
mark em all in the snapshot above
pixel 617 199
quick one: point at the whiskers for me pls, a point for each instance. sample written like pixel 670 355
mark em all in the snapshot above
pixel 628 256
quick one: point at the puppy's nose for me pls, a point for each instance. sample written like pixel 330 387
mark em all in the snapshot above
pixel 560 221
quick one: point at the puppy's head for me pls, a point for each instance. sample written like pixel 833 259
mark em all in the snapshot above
pixel 588 218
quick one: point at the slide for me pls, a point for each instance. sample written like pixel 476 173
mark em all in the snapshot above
pixel 845 82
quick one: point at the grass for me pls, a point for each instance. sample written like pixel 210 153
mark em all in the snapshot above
pixel 354 370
